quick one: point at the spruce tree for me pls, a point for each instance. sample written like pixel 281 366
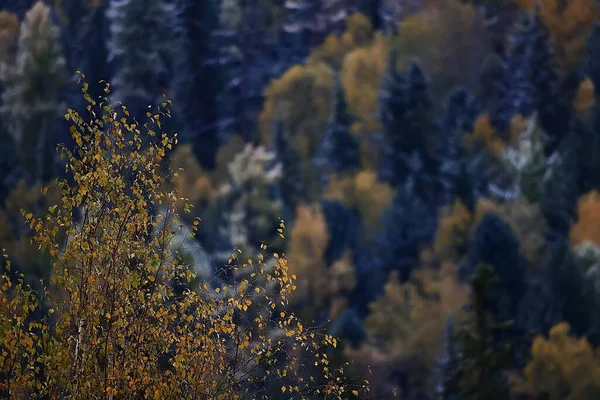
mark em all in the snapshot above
pixel 495 245
pixel 140 46
pixel 405 111
pixel 30 108
pixel 457 120
pixel 447 365
pixel 196 81
pixel 407 225
pixel 340 150
pixel 290 186
pixel 482 355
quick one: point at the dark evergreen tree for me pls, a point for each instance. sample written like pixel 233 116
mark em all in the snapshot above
pixel 407 225
pixel 560 191
pixel 454 176
pixel 19 7
pixel 447 366
pixel 349 327
pixel 290 188
pixel 342 229
pixel 140 46
pixel 30 99
pixel 494 244
pixel 482 355
pixel 405 111
pixel 340 150
pixel 9 165
pixel 249 59
pixel 196 81
pixel 570 295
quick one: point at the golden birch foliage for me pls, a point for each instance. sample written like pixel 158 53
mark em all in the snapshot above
pixel 191 181
pixel 362 192
pixel 359 33
pixel 453 231
pixel 306 251
pixel 562 367
pixel 9 30
pixel 570 23
pixel 119 326
pixel 409 319
pixel 587 227
pixel 303 98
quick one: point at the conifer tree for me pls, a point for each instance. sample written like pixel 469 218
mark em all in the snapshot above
pixel 408 223
pixel 140 47
pixel 32 85
pixel 482 356
pixel 290 187
pixel 196 81
pixel 447 385
pixel 405 112
pixel 454 175
pixel 494 244
pixel 340 150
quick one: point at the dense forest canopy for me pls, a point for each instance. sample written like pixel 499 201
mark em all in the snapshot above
pixel 435 163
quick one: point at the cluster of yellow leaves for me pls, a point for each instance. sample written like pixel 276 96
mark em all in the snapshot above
pixel 405 326
pixel 306 251
pixel 453 231
pixel 587 227
pixel 409 319
pixel 359 33
pixel 125 320
pixel 362 192
pixel 570 23
pixel 562 367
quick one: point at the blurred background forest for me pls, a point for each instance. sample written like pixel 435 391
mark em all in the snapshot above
pixel 437 164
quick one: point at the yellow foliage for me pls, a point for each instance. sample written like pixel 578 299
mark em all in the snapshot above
pixel 485 135
pixel 409 319
pixel 453 231
pixel 449 37
pixel 563 367
pixel 306 252
pixel 191 182
pixel 584 98
pixel 116 316
pixel 303 99
pixel 362 192
pixel 570 23
pixel 359 33
pixel 361 76
pixel 587 227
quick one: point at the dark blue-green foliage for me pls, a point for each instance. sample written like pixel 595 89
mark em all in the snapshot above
pixel 342 229
pixel 141 49
pixel 407 224
pixel 349 327
pixel 340 150
pixel 405 111
pixel 455 175
pixel 18 7
pixel 290 187
pixel 447 365
pixel 570 295
pixel 196 84
pixel 495 244
pixel 531 82
pixel 560 193
pixel 592 59
pixel 10 171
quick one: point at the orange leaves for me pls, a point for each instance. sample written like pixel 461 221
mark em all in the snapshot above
pixel 562 367
pixel 587 227
pixel 570 23
pixel 452 232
